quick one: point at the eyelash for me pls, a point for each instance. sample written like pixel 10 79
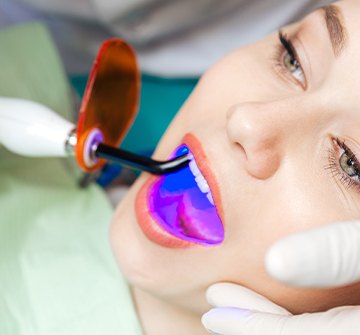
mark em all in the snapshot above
pixel 287 46
pixel 336 170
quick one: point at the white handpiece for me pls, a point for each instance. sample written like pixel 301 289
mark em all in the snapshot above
pixel 31 129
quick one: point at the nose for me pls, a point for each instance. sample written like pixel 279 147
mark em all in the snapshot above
pixel 259 129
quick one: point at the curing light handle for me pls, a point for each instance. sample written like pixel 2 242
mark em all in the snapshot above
pixel 28 128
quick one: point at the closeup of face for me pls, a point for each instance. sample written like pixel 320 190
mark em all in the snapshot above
pixel 274 130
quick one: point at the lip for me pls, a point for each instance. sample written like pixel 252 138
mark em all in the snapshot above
pixel 155 232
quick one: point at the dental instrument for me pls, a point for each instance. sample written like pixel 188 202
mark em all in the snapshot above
pixel 107 112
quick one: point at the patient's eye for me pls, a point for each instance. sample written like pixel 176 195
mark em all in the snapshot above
pixel 288 63
pixel 344 164
pixel 348 165
pixel 292 64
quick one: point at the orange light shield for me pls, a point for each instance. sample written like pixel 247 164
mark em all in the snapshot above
pixel 110 101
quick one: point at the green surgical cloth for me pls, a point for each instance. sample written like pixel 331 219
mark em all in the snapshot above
pixel 57 273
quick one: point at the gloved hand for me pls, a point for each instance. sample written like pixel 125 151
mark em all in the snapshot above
pixel 328 256
pixel 252 314
pixel 323 257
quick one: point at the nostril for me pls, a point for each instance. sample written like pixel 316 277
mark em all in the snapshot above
pixel 263 164
pixel 240 149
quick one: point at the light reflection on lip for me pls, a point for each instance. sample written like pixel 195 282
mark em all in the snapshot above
pixel 152 229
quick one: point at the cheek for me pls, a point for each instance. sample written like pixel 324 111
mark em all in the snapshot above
pixel 258 214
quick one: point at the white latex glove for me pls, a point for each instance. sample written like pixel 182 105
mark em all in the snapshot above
pixel 328 256
pixel 323 257
pixel 252 314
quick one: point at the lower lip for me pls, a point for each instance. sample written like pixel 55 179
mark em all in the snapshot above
pixel 152 229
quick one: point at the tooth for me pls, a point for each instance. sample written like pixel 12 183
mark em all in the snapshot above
pixel 194 169
pixel 203 186
pixel 209 196
pixel 200 180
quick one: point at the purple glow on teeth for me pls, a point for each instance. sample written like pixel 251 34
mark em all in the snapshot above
pixel 182 204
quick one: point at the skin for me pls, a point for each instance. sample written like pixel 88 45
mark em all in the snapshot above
pixel 271 135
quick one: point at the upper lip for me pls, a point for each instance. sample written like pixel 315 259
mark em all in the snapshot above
pixel 202 161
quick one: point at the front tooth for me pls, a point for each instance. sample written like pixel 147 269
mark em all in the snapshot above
pixel 203 185
pixel 200 180
pixel 193 168
pixel 209 196
pixel 204 188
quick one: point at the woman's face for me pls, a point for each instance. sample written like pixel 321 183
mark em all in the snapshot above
pixel 279 124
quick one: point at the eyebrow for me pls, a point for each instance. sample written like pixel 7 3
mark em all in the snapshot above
pixel 336 28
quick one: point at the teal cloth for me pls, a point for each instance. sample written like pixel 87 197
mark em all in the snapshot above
pixel 160 100
pixel 57 273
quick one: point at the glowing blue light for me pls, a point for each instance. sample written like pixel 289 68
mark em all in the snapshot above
pixel 177 204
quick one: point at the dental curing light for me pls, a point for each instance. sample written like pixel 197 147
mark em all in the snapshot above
pixel 107 111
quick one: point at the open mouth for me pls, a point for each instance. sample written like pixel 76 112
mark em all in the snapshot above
pixel 182 204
